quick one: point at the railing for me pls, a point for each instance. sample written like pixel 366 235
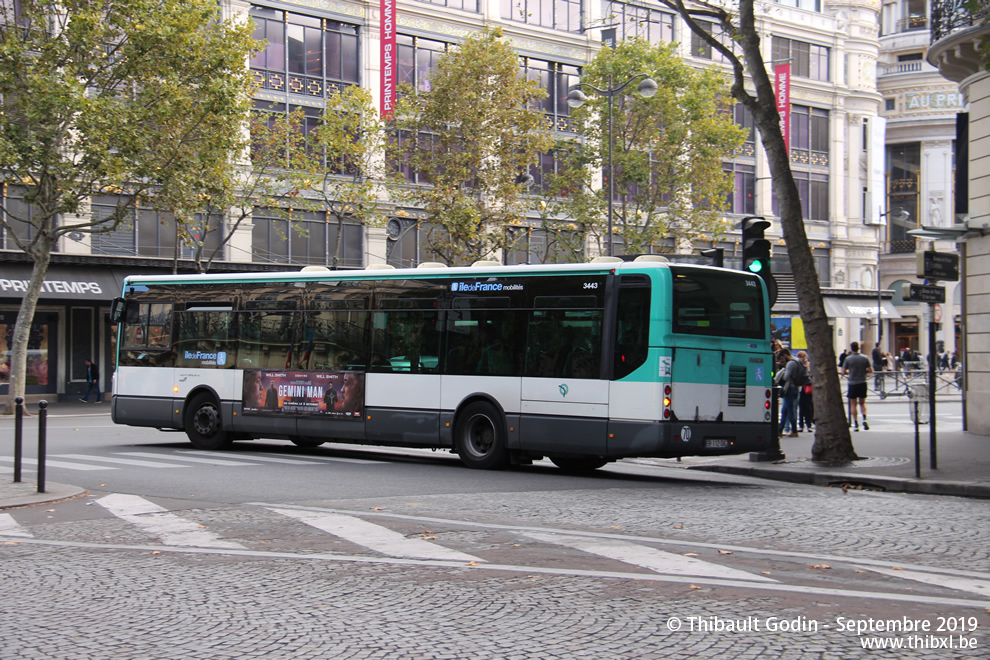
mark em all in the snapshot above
pixel 912 24
pixel 951 15
pixel 903 246
pixel 900 67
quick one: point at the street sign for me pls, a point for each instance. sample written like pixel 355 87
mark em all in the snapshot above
pixel 939 266
pixel 923 293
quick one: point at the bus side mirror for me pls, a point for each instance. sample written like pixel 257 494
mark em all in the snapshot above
pixel 117 308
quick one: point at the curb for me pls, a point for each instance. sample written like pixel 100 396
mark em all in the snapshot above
pixel 888 484
pixel 17 495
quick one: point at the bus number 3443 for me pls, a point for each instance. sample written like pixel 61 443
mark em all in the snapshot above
pixel 591 285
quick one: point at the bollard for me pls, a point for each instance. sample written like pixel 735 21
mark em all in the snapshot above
pixel 42 441
pixel 18 446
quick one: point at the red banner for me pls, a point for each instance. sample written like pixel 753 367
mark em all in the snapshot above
pixel 389 58
pixel 782 92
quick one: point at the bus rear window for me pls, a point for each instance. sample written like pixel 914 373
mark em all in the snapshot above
pixel 717 304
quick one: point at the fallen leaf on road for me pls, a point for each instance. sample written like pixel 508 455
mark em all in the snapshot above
pixel 678 526
pixel 472 563
pixel 897 568
pixel 820 566
pixel 725 552
pixel 694 587
pixel 765 572
pixel 156 552
pixel 690 554
pixel 377 508
pixel 429 538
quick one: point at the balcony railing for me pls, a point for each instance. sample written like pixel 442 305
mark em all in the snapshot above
pixel 912 24
pixel 951 15
pixel 900 67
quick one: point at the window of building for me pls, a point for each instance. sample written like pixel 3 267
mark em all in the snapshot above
pixel 742 199
pixel 22 218
pixel 890 104
pixel 807 60
pixel 903 177
pixel 309 238
pixel 465 5
pixel 810 144
pixel 304 55
pixel 555 14
pixel 807 5
pixel 555 79
pixel 417 57
pixel 915 16
pixel 631 21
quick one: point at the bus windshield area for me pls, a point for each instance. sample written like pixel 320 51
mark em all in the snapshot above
pixel 717 304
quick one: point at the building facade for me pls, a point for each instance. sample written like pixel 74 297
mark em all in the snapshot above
pixel 316 47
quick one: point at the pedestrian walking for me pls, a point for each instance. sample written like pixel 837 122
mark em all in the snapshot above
pixel 788 377
pixel 806 400
pixel 92 382
pixel 857 367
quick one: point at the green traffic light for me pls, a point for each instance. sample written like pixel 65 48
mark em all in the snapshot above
pixel 755 266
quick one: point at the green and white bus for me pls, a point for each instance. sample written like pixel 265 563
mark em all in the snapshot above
pixel 581 363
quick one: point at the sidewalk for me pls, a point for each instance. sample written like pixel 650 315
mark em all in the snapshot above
pixel 25 493
pixel 887 463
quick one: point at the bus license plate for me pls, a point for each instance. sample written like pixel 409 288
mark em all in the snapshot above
pixel 716 443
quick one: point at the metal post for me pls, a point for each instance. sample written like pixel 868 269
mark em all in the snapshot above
pixel 18 444
pixel 931 385
pixel 917 442
pixel 611 172
pixel 42 441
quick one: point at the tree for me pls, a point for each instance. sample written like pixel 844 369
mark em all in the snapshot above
pixel 833 443
pixel 134 98
pixel 471 135
pixel 347 173
pixel 667 151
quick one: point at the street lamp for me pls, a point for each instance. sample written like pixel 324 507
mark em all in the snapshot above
pixel 576 98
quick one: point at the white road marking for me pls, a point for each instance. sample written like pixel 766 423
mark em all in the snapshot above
pixel 156 521
pixel 251 457
pixel 341 459
pixel 185 459
pixel 655 560
pixel 375 537
pixel 981 587
pixel 119 461
pixel 60 464
pixel 9 527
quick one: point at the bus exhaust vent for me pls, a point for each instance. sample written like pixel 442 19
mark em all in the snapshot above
pixel 737 386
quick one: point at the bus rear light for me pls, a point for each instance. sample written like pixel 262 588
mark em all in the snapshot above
pixel 666 402
pixel 175 389
pixel 766 405
pixel 666 414
pixel 767 394
pixel 667 389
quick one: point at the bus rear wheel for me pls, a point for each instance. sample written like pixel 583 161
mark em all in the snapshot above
pixel 578 464
pixel 480 437
pixel 204 425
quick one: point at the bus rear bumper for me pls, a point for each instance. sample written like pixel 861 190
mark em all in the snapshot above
pixel 628 439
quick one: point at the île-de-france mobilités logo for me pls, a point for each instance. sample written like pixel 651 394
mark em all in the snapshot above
pixel 563 389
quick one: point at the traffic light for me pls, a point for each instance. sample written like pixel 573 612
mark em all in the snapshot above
pixel 756 252
pixel 756 249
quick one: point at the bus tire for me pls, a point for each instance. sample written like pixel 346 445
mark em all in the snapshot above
pixel 480 437
pixel 578 464
pixel 203 423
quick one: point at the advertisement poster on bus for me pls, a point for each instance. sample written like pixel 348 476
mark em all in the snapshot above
pixel 289 392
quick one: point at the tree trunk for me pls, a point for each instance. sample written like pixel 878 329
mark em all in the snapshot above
pixel 22 328
pixel 833 443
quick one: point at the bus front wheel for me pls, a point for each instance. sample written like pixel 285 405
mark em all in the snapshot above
pixel 204 425
pixel 480 437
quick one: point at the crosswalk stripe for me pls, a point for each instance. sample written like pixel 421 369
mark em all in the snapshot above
pixel 185 459
pixel 656 560
pixel 375 537
pixel 341 459
pixel 158 522
pixel 61 464
pixel 9 527
pixel 251 457
pixel 981 587
pixel 120 461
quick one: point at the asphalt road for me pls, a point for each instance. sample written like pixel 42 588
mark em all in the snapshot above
pixel 274 551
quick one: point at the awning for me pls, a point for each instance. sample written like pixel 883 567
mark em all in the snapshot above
pixel 83 283
pixel 851 308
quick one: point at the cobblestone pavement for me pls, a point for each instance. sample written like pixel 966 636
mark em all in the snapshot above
pixel 80 582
